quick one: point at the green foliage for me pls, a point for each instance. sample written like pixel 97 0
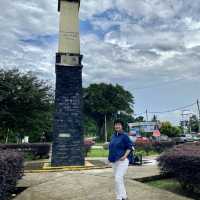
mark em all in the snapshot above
pixel 146 134
pixel 26 105
pixel 139 119
pixel 155 119
pixel 104 152
pixel 172 185
pixel 194 124
pixel 98 153
pixel 167 184
pixel 169 130
pixel 102 100
pixel 90 128
pixel 126 119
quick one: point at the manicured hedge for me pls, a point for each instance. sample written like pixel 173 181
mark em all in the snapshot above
pixel 162 145
pixel 144 146
pixel 183 163
pixel 11 170
pixel 158 147
pixel 40 150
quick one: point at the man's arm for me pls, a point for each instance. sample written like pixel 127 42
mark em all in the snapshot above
pixel 125 155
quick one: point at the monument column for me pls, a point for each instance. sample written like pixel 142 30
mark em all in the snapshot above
pixel 67 148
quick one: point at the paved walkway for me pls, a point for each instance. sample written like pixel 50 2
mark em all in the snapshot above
pixel 91 185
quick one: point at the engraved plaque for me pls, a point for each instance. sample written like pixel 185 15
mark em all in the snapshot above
pixel 69 60
pixel 64 135
pixel 70 35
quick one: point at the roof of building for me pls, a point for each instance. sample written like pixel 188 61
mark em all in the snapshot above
pixel 149 123
pixel 78 1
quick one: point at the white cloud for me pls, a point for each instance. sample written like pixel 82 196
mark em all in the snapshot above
pixel 23 20
pixel 94 7
pixel 142 42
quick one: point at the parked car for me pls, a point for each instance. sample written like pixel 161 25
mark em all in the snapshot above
pixel 183 138
pixel 165 138
pixel 196 137
pixel 188 138
pixel 161 138
pixel 143 140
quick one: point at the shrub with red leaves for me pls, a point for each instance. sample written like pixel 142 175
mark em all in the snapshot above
pixel 183 163
pixel 143 144
pixel 148 145
pixel 162 145
pixel 88 143
pixel 11 170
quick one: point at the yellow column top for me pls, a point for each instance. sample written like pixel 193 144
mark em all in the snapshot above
pixel 69 39
pixel 78 1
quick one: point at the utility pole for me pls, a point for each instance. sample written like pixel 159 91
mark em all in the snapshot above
pixel 106 133
pixel 182 122
pixel 198 112
pixel 147 116
pixel 185 122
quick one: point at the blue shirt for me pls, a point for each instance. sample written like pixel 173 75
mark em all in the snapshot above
pixel 118 146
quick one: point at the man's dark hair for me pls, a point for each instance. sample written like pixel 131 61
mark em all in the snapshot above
pixel 119 121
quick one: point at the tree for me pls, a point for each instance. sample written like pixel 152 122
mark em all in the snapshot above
pixel 90 128
pixel 194 123
pixel 139 119
pixel 155 118
pixel 102 100
pixel 169 130
pixel 126 119
pixel 26 105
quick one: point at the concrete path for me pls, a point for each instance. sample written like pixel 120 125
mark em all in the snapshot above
pixel 91 185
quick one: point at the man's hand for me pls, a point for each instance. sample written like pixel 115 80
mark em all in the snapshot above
pixel 123 158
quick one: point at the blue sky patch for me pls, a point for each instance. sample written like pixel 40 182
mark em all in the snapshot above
pixel 41 40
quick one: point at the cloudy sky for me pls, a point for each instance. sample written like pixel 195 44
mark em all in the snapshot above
pixel 151 47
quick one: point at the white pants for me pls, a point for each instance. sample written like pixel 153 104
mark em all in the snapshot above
pixel 120 168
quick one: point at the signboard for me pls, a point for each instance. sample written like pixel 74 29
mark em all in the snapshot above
pixel 156 133
pixel 143 126
pixel 64 135
pixel 69 60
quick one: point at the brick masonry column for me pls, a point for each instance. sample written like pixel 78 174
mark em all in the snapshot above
pixel 68 147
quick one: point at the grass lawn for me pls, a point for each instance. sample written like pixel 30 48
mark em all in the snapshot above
pixel 166 184
pixel 99 144
pixel 98 153
pixel 144 153
pixel 104 153
pixel 171 185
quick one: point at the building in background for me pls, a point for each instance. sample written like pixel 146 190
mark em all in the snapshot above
pixel 139 128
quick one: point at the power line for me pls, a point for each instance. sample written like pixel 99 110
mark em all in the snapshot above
pixel 198 107
pixel 175 109
pixel 168 111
